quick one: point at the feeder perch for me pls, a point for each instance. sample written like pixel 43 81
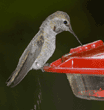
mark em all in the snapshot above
pixel 84 67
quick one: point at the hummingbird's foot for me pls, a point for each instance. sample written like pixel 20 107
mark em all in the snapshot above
pixel 42 69
pixel 47 64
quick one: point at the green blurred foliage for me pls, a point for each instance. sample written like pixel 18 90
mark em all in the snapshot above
pixel 19 22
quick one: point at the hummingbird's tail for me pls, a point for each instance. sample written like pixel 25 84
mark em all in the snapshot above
pixel 11 78
pixel 17 76
pixel 20 72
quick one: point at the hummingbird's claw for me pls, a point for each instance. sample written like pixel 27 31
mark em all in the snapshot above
pixel 47 64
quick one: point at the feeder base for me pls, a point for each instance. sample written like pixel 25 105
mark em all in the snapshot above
pixel 88 87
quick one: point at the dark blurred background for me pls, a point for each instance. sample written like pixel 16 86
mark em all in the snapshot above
pixel 19 22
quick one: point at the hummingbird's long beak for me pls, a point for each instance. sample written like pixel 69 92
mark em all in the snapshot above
pixel 71 31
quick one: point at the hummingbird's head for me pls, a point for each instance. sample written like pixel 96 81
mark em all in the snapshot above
pixel 59 22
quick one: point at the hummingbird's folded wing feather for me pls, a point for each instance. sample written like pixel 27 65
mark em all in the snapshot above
pixel 25 64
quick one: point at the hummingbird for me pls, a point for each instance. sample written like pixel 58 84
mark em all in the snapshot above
pixel 41 47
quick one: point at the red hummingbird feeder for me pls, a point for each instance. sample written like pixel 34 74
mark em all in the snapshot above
pixel 84 67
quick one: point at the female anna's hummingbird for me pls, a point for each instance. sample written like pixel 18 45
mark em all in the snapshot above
pixel 41 47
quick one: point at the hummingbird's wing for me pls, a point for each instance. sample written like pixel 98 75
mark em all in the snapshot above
pixel 25 63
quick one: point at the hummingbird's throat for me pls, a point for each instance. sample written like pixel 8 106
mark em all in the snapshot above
pixel 54 28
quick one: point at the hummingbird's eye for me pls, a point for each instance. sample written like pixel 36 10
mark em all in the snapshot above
pixel 65 22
